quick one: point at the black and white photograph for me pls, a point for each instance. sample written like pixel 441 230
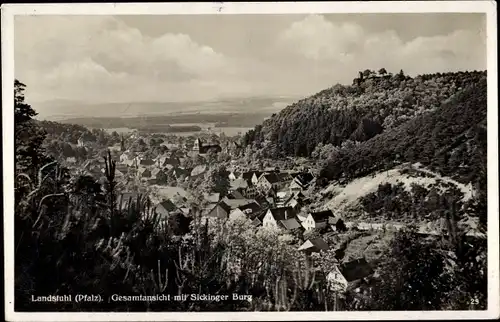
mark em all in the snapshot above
pixel 250 161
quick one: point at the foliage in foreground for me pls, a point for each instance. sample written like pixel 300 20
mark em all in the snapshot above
pixel 72 236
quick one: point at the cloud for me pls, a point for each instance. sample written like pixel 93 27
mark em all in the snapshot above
pixel 347 47
pixel 92 53
pixel 103 59
pixel 318 39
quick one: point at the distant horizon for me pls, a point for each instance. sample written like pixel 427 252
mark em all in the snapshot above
pixel 191 58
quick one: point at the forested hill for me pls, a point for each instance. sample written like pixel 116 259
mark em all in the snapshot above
pixel 373 104
pixel 450 140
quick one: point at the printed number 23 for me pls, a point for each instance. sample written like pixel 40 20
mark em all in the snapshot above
pixel 474 301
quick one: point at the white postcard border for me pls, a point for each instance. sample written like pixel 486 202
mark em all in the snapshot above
pixel 11 10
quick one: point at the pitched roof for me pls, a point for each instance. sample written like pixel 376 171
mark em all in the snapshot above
pixel 315 244
pixel 164 160
pixel 299 195
pixel 277 177
pixel 251 208
pixel 235 203
pixel 282 213
pixel 223 205
pixel 290 224
pixel 235 195
pixel 249 174
pixel 356 269
pixel 155 171
pixel 303 178
pixel 146 162
pixel 334 220
pixel 168 205
pixel 256 221
pixel 122 167
pixel 322 215
pixel 143 170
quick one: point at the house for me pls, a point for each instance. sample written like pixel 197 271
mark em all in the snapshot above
pixel 258 220
pixel 283 194
pixel 295 201
pixel 290 224
pixel 122 167
pixel 121 171
pixel 274 215
pixel 271 169
pixel 301 182
pixel 221 210
pixel 242 207
pixel 233 175
pixel 317 220
pixel 337 224
pixel 235 203
pixel 167 162
pixel 185 210
pixel 251 177
pixel 144 173
pixel 255 177
pixel 249 210
pixel 155 173
pixel 147 163
pixel 202 148
pixel 235 194
pixel 336 282
pixel 165 208
pixel 275 181
pixel 356 269
pixel 314 245
pixel 348 274
pixel 158 176
pixel 178 172
pixel 302 216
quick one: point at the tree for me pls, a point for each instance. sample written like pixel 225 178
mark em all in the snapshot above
pixel 28 136
pixel 382 71
pixel 216 180
pixel 413 276
pixel 367 73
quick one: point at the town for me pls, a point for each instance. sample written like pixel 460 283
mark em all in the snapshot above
pixel 171 170
pixel 160 168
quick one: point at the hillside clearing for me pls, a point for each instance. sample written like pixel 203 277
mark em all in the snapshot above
pixel 349 195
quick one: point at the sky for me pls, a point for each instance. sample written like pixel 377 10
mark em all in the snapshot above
pixel 174 58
